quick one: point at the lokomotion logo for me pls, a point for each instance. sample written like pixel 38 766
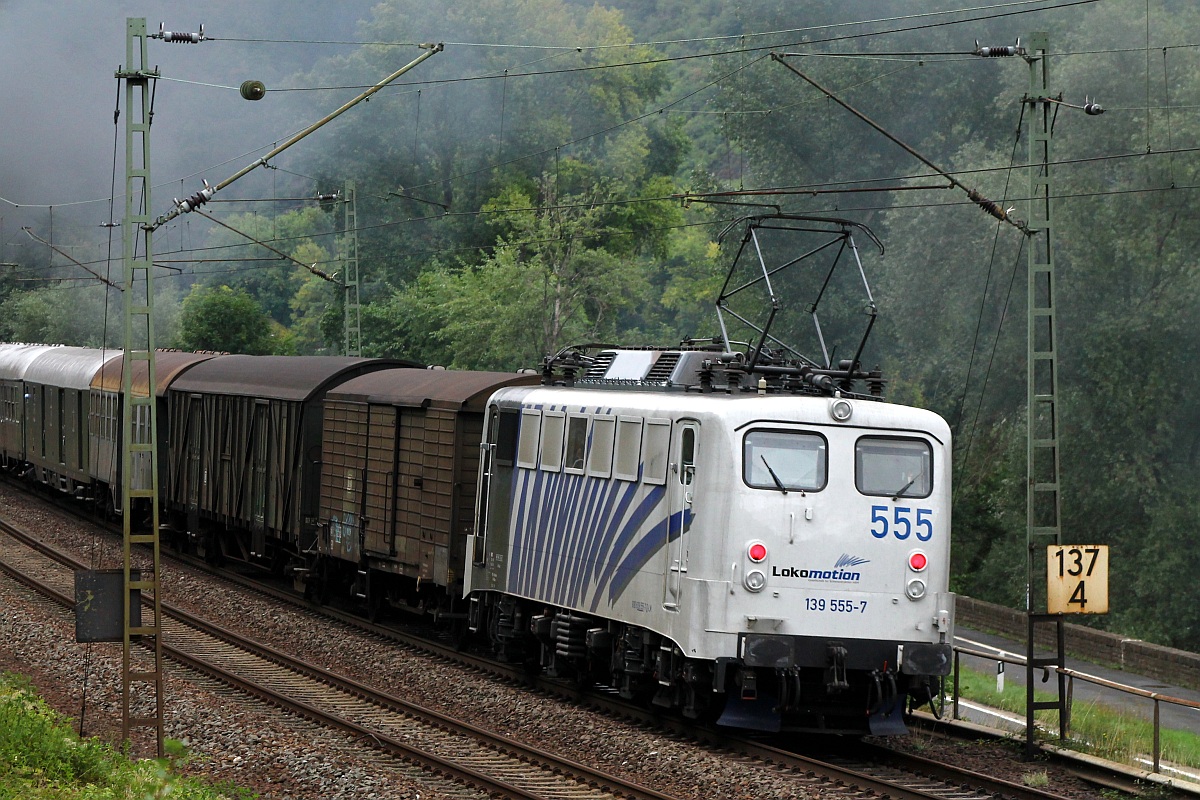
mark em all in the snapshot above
pixel 840 572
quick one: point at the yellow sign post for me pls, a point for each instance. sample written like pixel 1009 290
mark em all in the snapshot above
pixel 1077 579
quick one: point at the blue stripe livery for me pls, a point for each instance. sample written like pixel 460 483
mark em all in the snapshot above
pixel 578 541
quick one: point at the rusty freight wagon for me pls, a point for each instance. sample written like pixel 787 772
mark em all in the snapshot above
pixel 244 452
pixel 105 420
pixel 398 481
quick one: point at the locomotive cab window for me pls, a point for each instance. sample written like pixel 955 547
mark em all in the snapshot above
pixel 784 460
pixel 893 467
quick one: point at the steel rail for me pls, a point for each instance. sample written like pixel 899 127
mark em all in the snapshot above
pixel 826 773
pixel 591 783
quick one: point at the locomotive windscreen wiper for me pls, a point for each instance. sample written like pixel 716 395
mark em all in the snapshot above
pixel 775 477
pixel 902 489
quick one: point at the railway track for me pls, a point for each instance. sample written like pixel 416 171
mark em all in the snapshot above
pixel 866 766
pixel 465 754
pixel 469 756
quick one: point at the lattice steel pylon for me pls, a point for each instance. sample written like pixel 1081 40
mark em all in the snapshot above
pixel 349 247
pixel 141 669
pixel 1043 499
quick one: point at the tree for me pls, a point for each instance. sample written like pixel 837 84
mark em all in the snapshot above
pixel 227 320
pixel 78 315
pixel 453 144
pixel 273 282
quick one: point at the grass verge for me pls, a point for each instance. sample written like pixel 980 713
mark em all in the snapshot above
pixel 1095 728
pixel 41 758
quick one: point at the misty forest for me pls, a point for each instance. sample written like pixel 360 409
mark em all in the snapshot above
pixel 521 191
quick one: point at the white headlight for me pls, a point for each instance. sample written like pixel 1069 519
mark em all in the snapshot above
pixel 841 409
pixel 915 589
pixel 755 580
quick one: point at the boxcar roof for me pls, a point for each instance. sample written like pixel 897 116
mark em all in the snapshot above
pixel 168 365
pixel 68 367
pixel 429 387
pixel 276 377
pixel 16 358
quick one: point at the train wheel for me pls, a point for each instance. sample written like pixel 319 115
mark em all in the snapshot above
pixel 376 601
pixel 316 587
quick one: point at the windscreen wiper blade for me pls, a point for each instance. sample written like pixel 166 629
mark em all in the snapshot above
pixel 902 490
pixel 775 477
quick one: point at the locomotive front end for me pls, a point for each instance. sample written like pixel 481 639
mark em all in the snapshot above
pixel 839 537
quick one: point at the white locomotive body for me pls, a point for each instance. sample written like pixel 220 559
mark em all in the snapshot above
pixel 775 556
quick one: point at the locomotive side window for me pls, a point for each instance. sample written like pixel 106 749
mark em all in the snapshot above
pixel 576 443
pixel 687 456
pixel 600 457
pixel 784 460
pixel 655 452
pixel 553 425
pixel 527 450
pixel 893 467
pixel 629 448
pixel 505 436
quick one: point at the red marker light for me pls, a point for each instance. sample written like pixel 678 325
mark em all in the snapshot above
pixel 917 561
pixel 758 551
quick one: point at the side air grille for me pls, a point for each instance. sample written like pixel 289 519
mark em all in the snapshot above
pixel 600 365
pixel 663 368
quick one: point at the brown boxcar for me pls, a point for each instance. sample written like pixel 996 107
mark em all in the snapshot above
pixel 104 421
pixel 245 447
pixel 398 478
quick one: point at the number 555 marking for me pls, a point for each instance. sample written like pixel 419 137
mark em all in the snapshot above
pixel 902 522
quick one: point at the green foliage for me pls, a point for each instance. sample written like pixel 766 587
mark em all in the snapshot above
pixel 50 316
pixel 273 281
pixel 82 317
pixel 534 206
pixel 41 758
pixel 549 282
pixel 227 320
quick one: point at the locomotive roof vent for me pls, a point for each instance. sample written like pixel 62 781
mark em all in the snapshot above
pixel 663 368
pixel 637 366
pixel 600 365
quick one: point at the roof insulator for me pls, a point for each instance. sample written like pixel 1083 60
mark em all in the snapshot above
pixel 1000 51
pixel 178 37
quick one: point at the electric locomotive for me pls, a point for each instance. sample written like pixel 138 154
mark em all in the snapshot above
pixel 767 554
pixel 728 528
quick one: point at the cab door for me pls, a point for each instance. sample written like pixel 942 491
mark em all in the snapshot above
pixel 680 496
